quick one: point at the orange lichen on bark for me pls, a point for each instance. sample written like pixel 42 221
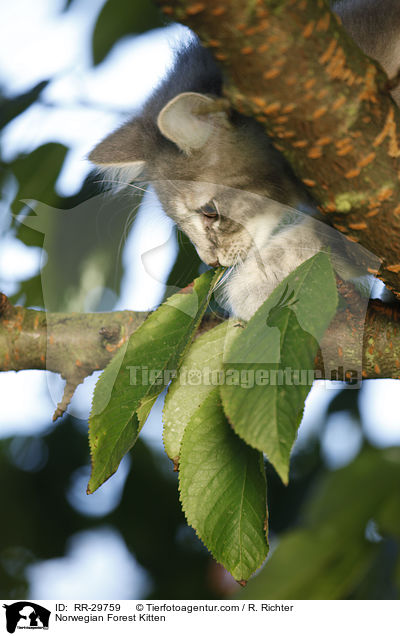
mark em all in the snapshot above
pixel 322 93
pixel 289 108
pixel 314 153
pixel 323 23
pixel 308 29
pixel 337 68
pixel 344 150
pixel 218 11
pixel 250 31
pixel 319 112
pixel 358 226
pixel 309 182
pixel 194 9
pixel 393 268
pixel 385 193
pixel 352 173
pixel 338 103
pixel 287 134
pixel 272 73
pixel 369 92
pixel 247 50
pixel 326 56
pixel 302 143
pixel 310 83
pixel 389 130
pixel 272 108
pixel 258 101
pixel 366 160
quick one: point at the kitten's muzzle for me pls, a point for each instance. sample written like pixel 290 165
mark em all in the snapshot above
pixel 214 263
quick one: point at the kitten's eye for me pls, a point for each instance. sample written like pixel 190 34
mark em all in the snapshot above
pixel 209 210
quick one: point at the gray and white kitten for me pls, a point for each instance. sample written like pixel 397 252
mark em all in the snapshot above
pixel 218 176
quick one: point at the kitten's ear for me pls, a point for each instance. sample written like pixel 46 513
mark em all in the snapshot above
pixel 189 120
pixel 121 149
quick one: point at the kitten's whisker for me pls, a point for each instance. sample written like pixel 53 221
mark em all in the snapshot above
pixel 125 183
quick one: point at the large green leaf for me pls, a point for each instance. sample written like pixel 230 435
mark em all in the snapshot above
pixel 132 381
pixel 273 359
pixel 118 18
pixel 223 490
pixel 197 378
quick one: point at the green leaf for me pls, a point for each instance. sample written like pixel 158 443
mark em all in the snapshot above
pixel 223 490
pixel 197 378
pixel 187 263
pixel 36 174
pixel 133 380
pixel 119 18
pixel 272 359
pixel 11 108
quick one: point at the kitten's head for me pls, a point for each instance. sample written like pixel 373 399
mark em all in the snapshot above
pixel 212 170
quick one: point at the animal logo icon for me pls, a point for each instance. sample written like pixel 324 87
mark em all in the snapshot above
pixel 25 614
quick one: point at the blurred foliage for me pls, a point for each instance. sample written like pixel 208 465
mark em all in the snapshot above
pixel 38 520
pixel 345 532
pixel 119 18
pixel 346 400
pixel 10 108
pixel 334 534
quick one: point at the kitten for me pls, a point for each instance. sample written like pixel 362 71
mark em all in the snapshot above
pixel 217 174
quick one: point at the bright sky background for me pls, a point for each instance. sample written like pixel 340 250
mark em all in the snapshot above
pixel 80 106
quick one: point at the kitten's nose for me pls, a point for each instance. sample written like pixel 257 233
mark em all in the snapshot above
pixel 214 264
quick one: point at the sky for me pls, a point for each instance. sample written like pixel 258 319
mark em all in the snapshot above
pixel 79 107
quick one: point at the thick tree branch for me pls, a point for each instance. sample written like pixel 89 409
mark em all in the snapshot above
pixel 326 105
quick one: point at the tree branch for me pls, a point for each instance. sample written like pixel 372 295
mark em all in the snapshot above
pixel 293 67
pixel 75 345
